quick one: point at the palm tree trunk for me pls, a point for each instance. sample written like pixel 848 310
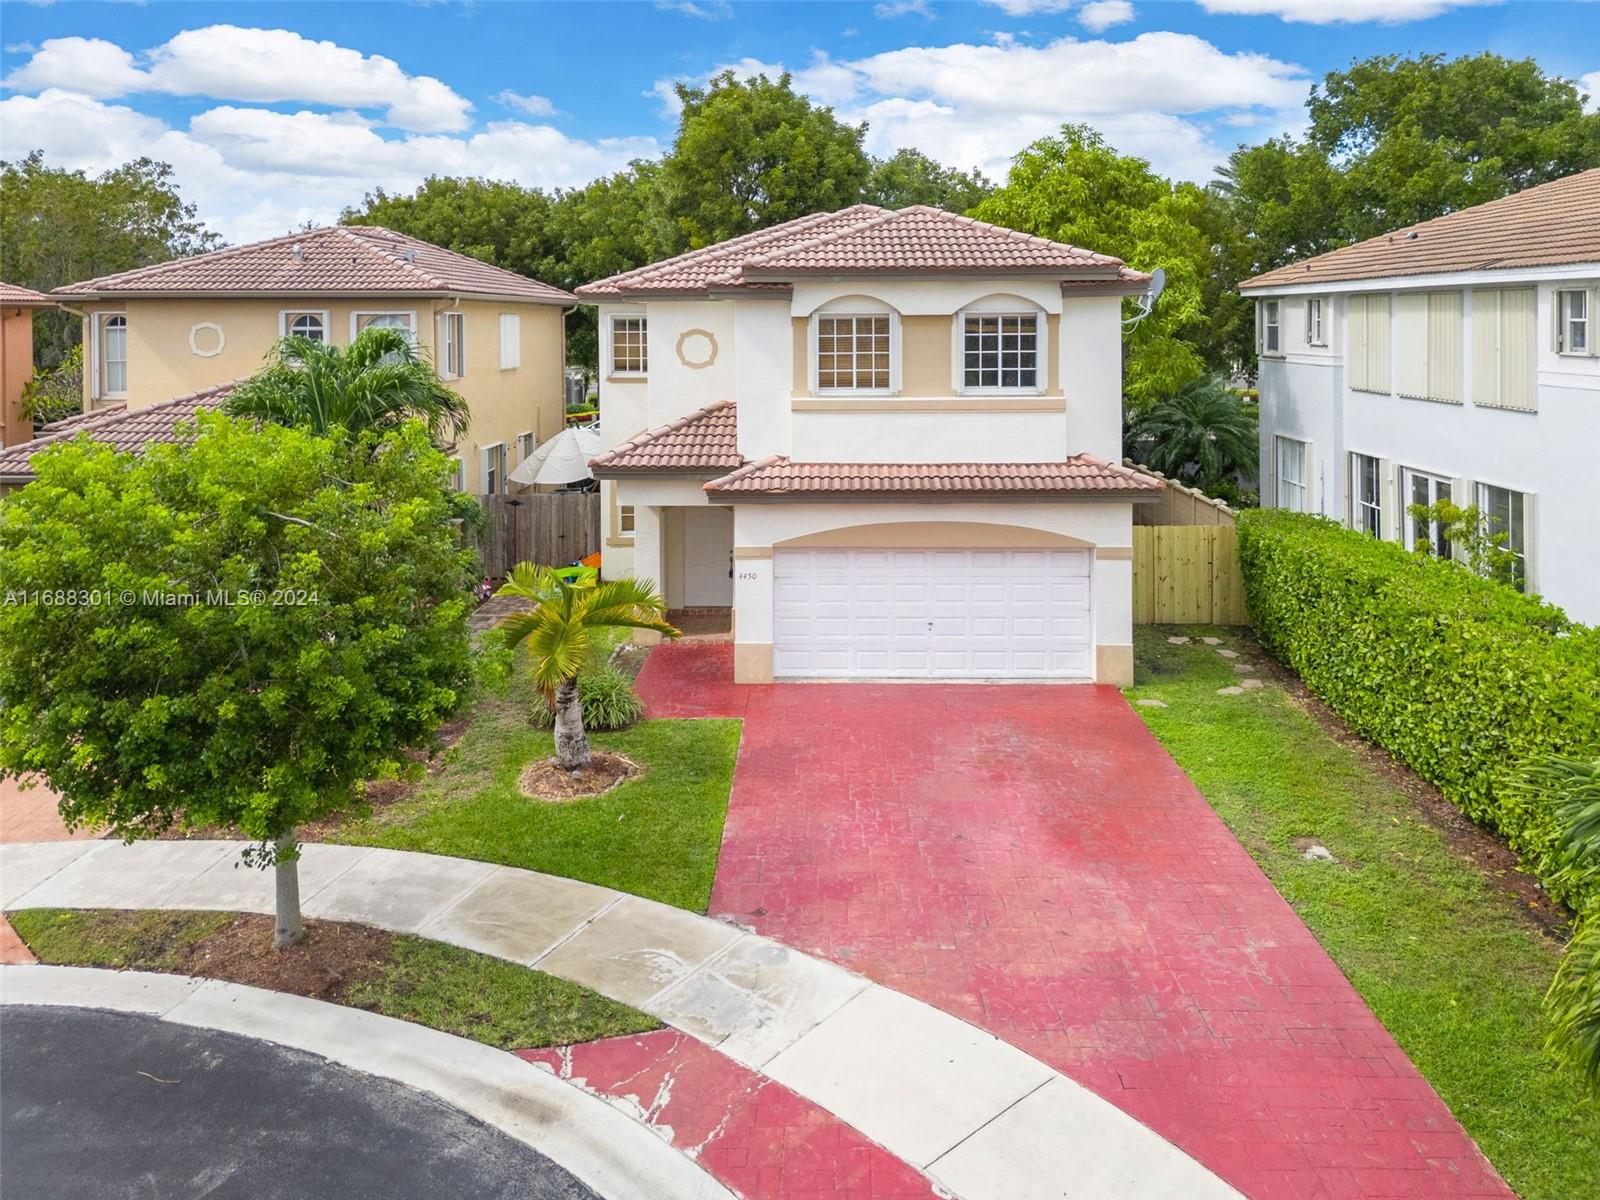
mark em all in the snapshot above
pixel 286 870
pixel 572 743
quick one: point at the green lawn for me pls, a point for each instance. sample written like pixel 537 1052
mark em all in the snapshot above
pixel 655 836
pixel 1441 956
pixel 429 983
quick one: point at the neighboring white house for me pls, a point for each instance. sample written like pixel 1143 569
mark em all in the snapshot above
pixel 889 440
pixel 1455 359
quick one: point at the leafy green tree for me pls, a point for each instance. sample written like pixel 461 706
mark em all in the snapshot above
pixel 1203 434
pixel 59 227
pixel 557 629
pixel 55 393
pixel 752 153
pixel 236 630
pixel 911 177
pixel 376 384
pixel 1075 188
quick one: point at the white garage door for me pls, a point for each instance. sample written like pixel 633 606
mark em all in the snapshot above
pixel 941 614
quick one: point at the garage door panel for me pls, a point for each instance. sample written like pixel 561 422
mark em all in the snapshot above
pixel 947 613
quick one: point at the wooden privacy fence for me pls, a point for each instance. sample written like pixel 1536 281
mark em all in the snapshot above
pixel 1187 574
pixel 549 528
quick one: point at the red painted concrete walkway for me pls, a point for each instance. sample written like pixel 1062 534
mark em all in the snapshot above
pixel 756 1136
pixel 1031 859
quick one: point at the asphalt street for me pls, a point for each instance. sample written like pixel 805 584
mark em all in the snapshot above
pixel 108 1106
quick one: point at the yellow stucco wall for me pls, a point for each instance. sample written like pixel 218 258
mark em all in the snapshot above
pixel 16 367
pixel 926 350
pixel 173 350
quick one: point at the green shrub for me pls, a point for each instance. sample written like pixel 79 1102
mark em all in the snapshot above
pixel 606 696
pixel 1461 678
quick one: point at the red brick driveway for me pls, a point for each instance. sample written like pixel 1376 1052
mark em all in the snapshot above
pixel 1030 859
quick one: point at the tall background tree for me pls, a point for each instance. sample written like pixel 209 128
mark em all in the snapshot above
pixel 911 177
pixel 59 227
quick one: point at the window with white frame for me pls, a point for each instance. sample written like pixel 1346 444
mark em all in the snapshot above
pixel 1366 494
pixel 510 341
pixel 493 460
pixel 452 345
pixel 1001 351
pixel 1291 462
pixel 1505 512
pixel 1574 321
pixel 1421 490
pixel 630 348
pixel 458 475
pixel 384 320
pixel 1271 327
pixel 312 326
pixel 113 354
pixel 854 352
pixel 625 520
pixel 527 443
pixel 1315 332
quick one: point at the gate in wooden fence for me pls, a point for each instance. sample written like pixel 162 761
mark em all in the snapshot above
pixel 1187 574
pixel 549 528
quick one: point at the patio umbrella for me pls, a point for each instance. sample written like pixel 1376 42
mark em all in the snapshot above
pixel 563 459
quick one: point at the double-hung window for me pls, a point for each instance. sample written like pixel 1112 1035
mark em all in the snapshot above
pixel 313 326
pixel 1293 493
pixel 527 443
pixel 1575 321
pixel 630 349
pixel 1316 335
pixel 1271 327
pixel 1366 494
pixel 113 355
pixel 854 352
pixel 1505 512
pixel 1000 352
pixel 1422 490
pixel 452 345
pixel 494 468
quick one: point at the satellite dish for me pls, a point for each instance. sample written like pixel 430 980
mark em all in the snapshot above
pixel 1158 284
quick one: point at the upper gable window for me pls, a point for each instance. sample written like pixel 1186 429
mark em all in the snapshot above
pixel 310 325
pixel 630 346
pixel 855 343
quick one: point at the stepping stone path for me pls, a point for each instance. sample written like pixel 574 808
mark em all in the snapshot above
pixel 1151 702
pixel 1178 641
pixel 1242 668
pixel 1230 691
pixel 1212 641
pixel 1251 683
pixel 1318 853
pixel 1228 653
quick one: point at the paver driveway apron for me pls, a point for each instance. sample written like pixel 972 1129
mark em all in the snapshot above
pixel 952 1100
pixel 1028 858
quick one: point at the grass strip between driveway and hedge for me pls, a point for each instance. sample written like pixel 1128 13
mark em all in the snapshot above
pixel 428 983
pixel 655 836
pixel 1441 955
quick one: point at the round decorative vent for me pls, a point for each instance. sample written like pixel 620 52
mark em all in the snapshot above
pixel 206 339
pixel 697 348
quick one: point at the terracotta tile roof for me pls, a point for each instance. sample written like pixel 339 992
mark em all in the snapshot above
pixel 778 477
pixel 14 296
pixel 1548 225
pixel 362 260
pixel 119 428
pixel 706 442
pixel 861 239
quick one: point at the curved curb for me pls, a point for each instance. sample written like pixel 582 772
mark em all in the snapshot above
pixel 615 1155
pixel 981 1118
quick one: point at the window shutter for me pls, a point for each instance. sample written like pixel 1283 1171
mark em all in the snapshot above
pixel 1379 369
pixel 510 341
pixel 1356 353
pixel 1444 346
pixel 1517 362
pixel 1412 317
pixel 1486 348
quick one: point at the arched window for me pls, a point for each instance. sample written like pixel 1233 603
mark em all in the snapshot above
pixel 310 325
pixel 1002 346
pixel 855 347
pixel 114 355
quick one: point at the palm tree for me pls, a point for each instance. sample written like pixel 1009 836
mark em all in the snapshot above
pixel 557 631
pixel 378 382
pixel 1204 435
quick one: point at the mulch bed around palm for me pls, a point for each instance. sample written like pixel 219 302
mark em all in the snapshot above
pixel 544 780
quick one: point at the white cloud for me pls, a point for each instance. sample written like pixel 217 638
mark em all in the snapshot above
pixel 256 172
pixel 1590 83
pixel 902 8
pixel 1026 8
pixel 534 106
pixel 227 62
pixel 706 10
pixel 1350 12
pixel 1100 15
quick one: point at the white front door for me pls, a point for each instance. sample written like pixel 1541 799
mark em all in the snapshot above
pixel 707 557
pixel 940 614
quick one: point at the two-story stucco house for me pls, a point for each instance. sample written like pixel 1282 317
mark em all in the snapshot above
pixel 1456 359
pixel 889 440
pixel 183 328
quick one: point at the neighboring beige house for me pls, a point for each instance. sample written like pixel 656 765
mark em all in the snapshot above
pixel 192 324
pixel 888 440
pixel 16 358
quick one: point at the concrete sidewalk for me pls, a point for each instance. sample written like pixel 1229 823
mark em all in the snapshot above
pixel 979 1117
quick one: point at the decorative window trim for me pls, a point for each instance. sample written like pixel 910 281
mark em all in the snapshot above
pixel 287 316
pixel 101 321
pixel 855 311
pixel 409 314
pixel 1317 322
pixel 1564 323
pixel 617 536
pixel 643 370
pixel 699 364
pixel 958 351
pixel 445 341
pixel 207 326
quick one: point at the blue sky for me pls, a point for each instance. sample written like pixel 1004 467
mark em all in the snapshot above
pixel 276 114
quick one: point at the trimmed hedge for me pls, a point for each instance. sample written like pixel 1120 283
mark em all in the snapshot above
pixel 1460 678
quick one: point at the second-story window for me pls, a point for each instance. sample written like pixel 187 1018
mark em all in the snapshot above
pixel 1573 323
pixel 1314 331
pixel 1000 351
pixel 1271 339
pixel 310 325
pixel 452 345
pixel 114 355
pixel 853 352
pixel 630 348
